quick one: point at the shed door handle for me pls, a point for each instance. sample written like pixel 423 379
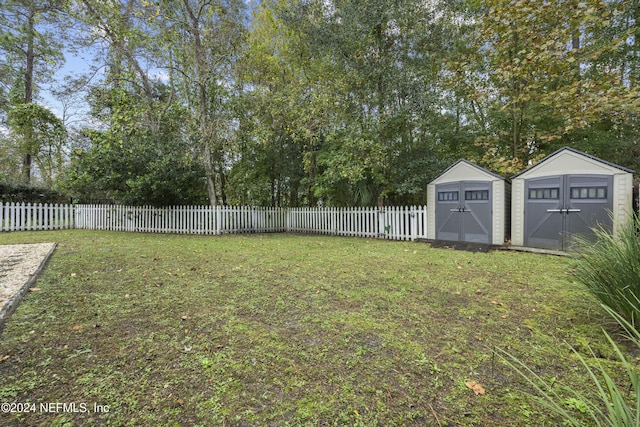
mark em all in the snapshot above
pixel 554 210
pixel 573 210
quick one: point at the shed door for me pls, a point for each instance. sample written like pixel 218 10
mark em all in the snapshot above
pixel 589 202
pixel 464 211
pixel 543 221
pixel 560 206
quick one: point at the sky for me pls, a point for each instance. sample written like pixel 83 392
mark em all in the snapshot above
pixel 81 63
pixel 75 65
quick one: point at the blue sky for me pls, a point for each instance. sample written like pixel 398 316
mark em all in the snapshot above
pixel 75 65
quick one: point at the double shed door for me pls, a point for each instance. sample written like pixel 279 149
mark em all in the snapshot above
pixel 558 207
pixel 464 211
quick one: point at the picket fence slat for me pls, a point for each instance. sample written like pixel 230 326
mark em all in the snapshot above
pixel 393 223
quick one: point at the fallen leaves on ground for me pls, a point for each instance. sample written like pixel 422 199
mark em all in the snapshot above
pixel 477 388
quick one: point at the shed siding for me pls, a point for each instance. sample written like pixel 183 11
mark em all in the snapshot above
pixel 517 212
pixel 568 162
pixel 431 211
pixel 622 199
pixel 463 172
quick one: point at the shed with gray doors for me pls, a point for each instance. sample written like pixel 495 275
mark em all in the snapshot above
pixel 567 193
pixel 468 204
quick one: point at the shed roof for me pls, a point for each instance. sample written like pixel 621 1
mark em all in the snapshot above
pixel 575 152
pixel 466 163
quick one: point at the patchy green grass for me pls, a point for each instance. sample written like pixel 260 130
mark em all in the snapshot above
pixel 289 330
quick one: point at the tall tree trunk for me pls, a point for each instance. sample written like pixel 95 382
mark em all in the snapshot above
pixel 222 198
pixel 209 174
pixel 28 93
pixel 207 134
pixel 575 48
pixel 207 125
pixel 634 67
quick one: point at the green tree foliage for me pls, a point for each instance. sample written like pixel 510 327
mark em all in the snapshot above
pixel 192 45
pixel 351 88
pixel 278 119
pixel 201 41
pixel 337 102
pixel 546 76
pixel 129 164
pixel 30 54
pixel 39 134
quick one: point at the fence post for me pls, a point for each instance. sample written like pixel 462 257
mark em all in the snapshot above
pixel 39 216
pixel 218 214
pixel 58 211
pixel 414 223
pixel 22 217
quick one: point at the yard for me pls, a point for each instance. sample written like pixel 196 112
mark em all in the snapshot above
pixel 281 329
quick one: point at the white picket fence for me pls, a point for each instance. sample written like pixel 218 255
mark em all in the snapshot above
pixel 26 217
pixel 181 219
pixel 396 223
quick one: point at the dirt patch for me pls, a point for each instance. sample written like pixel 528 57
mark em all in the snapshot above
pixel 19 269
pixel 462 246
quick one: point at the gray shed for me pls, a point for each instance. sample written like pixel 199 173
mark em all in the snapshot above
pixel 467 203
pixel 568 192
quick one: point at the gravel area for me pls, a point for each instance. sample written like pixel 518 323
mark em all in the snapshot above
pixel 19 269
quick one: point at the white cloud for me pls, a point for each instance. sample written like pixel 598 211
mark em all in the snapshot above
pixel 161 75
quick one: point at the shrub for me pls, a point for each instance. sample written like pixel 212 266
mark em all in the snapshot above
pixel 609 405
pixel 610 268
pixel 24 193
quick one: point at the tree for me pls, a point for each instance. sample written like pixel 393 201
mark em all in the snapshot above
pixel 41 135
pixel 201 41
pixel 130 164
pixel 335 102
pixel 127 39
pixel 355 87
pixel 543 73
pixel 31 53
pixel 280 119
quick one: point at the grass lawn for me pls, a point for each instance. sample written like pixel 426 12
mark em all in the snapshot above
pixel 289 330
